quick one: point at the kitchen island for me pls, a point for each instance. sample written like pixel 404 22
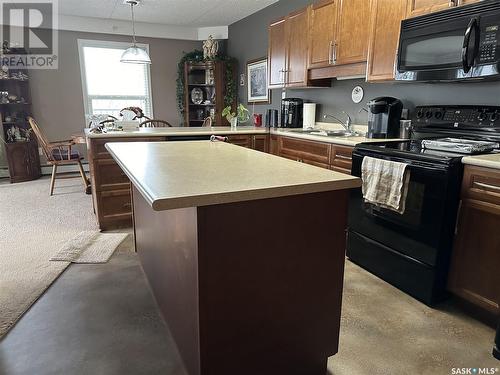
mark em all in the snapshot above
pixel 111 187
pixel 244 252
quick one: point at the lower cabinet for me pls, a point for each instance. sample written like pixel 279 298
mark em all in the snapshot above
pixel 320 154
pixel 474 273
pixel 23 161
pixel 111 187
pixel 259 142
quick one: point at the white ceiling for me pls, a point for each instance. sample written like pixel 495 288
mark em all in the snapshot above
pixel 190 13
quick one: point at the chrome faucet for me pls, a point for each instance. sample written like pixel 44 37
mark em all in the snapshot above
pixel 347 125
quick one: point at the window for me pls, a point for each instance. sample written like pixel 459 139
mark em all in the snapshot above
pixel 110 85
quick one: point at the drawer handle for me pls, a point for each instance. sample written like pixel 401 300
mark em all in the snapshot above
pixel 337 156
pixel 127 205
pixel 486 186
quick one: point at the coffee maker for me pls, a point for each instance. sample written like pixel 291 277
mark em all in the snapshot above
pixel 292 113
pixel 384 114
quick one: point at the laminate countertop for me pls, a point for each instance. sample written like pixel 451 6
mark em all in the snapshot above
pixel 179 131
pixel 173 174
pixel 344 141
pixel 487 161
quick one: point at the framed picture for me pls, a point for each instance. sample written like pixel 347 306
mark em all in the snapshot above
pixel 258 91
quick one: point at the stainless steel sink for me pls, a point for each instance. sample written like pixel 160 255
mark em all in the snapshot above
pixel 326 133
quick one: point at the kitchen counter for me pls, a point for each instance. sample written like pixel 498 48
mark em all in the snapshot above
pixel 345 141
pixel 244 252
pixel 175 175
pixel 179 131
pixel 487 161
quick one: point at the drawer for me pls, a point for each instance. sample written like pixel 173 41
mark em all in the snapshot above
pixel 341 159
pixel 115 204
pixel 240 140
pixel 340 169
pixel 109 176
pixel 306 161
pixel 305 150
pixel 98 149
pixel 481 184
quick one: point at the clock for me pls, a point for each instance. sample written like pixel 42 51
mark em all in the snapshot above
pixel 357 94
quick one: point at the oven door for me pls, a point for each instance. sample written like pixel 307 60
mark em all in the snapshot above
pixel 425 230
pixel 438 50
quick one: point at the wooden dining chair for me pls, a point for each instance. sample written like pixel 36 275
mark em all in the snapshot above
pixel 59 153
pixel 155 124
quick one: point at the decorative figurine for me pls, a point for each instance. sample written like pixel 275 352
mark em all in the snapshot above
pixel 210 48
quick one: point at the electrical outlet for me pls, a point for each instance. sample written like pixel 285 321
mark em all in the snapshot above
pixel 40 152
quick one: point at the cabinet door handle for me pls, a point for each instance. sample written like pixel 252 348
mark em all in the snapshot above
pixel 457 221
pixel 330 53
pixel 484 186
pixel 334 57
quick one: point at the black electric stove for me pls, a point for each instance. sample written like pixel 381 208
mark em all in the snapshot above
pixel 412 250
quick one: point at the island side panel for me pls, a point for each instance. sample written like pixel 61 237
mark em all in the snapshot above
pixel 166 242
pixel 271 278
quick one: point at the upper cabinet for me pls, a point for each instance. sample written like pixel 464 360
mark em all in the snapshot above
pixel 322 34
pixel 288 46
pixel 352 32
pixel 420 7
pixel 277 53
pixel 338 32
pixel 296 67
pixel 385 24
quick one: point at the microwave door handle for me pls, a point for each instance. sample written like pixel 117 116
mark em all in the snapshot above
pixel 465 48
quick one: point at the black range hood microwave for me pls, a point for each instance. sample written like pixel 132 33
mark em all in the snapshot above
pixel 461 43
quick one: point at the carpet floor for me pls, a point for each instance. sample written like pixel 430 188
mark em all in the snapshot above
pixel 33 226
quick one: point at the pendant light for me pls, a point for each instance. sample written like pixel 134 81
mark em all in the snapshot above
pixel 134 54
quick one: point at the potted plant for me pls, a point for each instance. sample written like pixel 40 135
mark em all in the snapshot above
pixel 242 115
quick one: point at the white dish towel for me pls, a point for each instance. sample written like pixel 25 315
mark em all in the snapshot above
pixel 385 183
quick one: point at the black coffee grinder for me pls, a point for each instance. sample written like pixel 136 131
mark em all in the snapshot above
pixel 384 114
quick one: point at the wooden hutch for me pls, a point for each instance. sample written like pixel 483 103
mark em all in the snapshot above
pixel 204 92
pixel 21 147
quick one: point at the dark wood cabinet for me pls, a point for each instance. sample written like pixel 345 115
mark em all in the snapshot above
pixel 385 25
pixel 23 160
pixel 260 143
pixel 320 154
pixel 208 78
pixel 341 159
pixel 474 274
pixel 110 185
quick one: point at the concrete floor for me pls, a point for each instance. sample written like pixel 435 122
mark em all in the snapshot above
pixel 95 319
pixel 102 319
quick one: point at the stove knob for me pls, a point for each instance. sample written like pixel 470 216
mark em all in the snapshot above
pixel 428 114
pixel 438 115
pixel 420 113
pixel 494 117
pixel 482 116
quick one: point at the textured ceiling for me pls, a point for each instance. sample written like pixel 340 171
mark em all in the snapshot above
pixel 193 13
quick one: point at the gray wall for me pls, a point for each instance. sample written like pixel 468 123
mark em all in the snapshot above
pixel 57 95
pixel 248 40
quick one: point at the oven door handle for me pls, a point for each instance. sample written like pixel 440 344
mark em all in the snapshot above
pixel 466 64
